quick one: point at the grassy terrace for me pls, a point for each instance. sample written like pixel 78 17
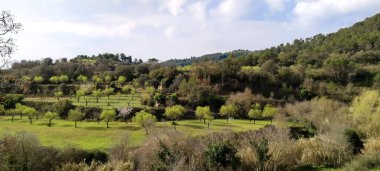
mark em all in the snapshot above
pixel 115 101
pixel 91 135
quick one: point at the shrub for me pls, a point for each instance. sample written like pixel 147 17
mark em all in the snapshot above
pixel 62 107
pixel 9 101
pixel 364 162
pixel 222 154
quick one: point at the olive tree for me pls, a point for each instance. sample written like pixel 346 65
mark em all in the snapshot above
pixel 145 120
pixel 255 113
pixel 121 80
pixel 174 113
pixel 30 112
pixel 228 111
pixel 12 113
pixel 97 94
pixel 50 116
pixel 201 112
pixel 82 78
pixel 269 112
pixel 108 92
pixel 108 115
pixel 75 115
pixel 79 94
pixel 58 94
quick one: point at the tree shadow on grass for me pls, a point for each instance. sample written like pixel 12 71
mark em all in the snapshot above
pixel 129 127
pixel 67 125
pixel 225 125
pixel 96 128
pixel 193 126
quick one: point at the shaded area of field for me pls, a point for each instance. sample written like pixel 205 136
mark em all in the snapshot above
pixel 115 101
pixel 91 135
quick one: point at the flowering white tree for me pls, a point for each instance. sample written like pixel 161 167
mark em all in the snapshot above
pixel 125 113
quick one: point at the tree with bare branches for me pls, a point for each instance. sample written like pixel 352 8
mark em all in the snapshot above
pixel 8 26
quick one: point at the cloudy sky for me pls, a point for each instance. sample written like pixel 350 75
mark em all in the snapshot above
pixel 167 29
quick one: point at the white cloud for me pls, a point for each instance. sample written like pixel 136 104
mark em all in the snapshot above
pixel 174 6
pixel 232 9
pixel 307 12
pixel 81 29
pixel 276 5
pixel 171 28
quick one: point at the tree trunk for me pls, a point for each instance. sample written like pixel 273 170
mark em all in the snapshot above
pixel 78 100
pixel 97 100
pixel 271 120
pixel 75 124
pixel 227 118
pixel 146 130
pixel 204 121
pixel 49 122
pixel 30 120
pixel 12 117
pixel 21 115
pixel 254 121
pixel 107 124
pixel 208 125
pixel 86 102
pixel 108 97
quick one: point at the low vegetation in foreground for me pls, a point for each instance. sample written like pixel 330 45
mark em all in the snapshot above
pixel 94 135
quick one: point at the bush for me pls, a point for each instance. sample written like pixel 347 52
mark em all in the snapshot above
pixel 9 101
pixel 62 107
pixel 222 155
pixel 364 162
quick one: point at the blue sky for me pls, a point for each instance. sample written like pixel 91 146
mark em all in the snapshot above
pixel 166 29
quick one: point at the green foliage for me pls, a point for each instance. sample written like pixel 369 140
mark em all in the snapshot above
pixel 79 94
pixel 228 110
pixel 51 116
pixel 202 112
pixel 59 79
pixel 28 111
pixel 109 91
pixel 269 111
pixel 255 112
pixel 174 112
pixel 222 155
pixel 82 78
pixel 9 101
pixel 75 115
pixel 144 119
pixel 62 107
pixel 261 151
pixel 108 115
pixel 107 79
pixel 126 89
pixel 97 79
pixel 97 94
pixel 121 79
pixel 38 79
pixel 58 94
pixel 365 111
pixel 2 110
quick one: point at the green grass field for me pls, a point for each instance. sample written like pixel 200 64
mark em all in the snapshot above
pixel 114 102
pixel 91 135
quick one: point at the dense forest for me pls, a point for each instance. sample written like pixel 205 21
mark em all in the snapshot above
pixel 325 88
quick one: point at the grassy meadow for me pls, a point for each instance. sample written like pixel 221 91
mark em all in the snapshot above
pixel 114 101
pixel 91 135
